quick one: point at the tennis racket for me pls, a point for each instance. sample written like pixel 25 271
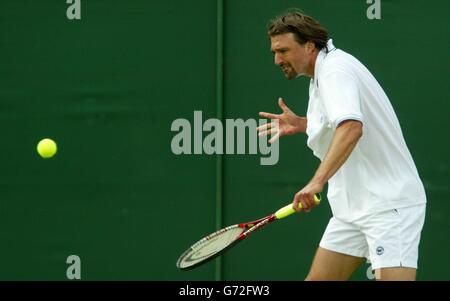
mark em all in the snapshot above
pixel 217 243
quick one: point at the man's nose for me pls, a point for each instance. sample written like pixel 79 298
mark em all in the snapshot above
pixel 278 59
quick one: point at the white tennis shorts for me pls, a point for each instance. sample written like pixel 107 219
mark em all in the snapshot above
pixel 388 239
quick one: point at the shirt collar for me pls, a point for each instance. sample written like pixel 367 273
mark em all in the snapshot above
pixel 319 60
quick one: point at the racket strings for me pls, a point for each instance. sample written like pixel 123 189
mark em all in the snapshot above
pixel 210 245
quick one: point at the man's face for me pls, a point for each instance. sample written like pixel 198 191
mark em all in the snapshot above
pixel 293 58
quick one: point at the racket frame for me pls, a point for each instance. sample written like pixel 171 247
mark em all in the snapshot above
pixel 248 228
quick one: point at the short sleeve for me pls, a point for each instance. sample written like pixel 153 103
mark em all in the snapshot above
pixel 340 96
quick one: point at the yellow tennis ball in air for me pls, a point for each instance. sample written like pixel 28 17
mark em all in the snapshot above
pixel 47 148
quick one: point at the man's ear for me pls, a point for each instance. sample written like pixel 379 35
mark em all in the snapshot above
pixel 310 46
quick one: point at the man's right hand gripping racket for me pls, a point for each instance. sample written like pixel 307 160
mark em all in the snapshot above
pixel 217 243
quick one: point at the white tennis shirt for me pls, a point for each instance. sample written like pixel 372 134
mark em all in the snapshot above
pixel 380 173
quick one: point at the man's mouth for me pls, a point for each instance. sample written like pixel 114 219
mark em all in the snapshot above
pixel 288 71
pixel 285 68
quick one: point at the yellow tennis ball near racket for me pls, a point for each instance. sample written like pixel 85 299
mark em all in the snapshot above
pixel 47 148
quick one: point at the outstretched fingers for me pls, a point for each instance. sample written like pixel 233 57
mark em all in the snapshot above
pixel 269 115
pixel 267 132
pixel 266 126
pixel 282 105
pixel 270 128
pixel 275 137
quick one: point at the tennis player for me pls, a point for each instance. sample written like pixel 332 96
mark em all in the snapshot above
pixel 375 193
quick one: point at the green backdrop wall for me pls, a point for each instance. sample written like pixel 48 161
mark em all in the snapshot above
pixel 107 88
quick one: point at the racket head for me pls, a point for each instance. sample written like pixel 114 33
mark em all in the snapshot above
pixel 210 246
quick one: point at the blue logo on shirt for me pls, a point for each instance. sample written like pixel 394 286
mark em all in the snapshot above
pixel 380 250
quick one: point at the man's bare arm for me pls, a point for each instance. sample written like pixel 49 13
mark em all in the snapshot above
pixel 344 141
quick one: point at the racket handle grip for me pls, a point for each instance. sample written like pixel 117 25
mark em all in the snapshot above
pixel 288 210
